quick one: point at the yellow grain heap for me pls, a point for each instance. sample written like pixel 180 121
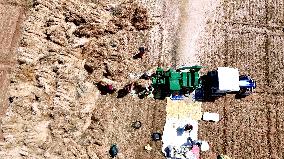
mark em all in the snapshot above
pixel 182 109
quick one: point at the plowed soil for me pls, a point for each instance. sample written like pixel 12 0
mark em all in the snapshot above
pixel 249 36
pixel 55 109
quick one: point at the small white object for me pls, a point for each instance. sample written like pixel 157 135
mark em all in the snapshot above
pixel 132 92
pixel 148 147
pixel 132 76
pixel 80 41
pixel 106 80
pixel 228 79
pixel 204 146
pixel 135 76
pixel 211 117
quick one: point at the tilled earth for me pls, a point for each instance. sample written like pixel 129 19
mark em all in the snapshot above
pixel 249 36
pixel 56 111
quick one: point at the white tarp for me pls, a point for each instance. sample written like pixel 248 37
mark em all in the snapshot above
pixel 228 79
pixel 211 116
pixel 174 136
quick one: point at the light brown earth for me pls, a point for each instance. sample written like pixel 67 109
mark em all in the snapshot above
pixel 10 19
pixel 248 36
pixel 56 111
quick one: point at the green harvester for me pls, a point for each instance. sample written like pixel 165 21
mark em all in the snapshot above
pixel 180 81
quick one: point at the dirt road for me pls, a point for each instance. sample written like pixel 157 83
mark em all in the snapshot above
pixel 192 22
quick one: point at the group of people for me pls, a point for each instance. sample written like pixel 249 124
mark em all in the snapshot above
pixel 190 149
pixel 141 87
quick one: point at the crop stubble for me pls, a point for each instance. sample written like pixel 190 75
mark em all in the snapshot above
pixel 249 37
pixel 275 55
pixel 49 83
pixel 251 34
pixel 131 141
pixel 9 19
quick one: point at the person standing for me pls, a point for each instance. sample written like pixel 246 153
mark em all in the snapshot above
pixel 188 127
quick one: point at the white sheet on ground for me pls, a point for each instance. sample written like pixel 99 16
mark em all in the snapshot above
pixel 173 134
pixel 211 116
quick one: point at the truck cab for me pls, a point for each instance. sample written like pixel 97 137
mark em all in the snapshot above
pixel 227 80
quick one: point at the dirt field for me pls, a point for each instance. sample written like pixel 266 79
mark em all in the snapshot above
pixel 250 37
pixel 10 19
pixel 55 109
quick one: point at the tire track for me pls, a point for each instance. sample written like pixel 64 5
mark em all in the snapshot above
pixel 267 81
pixel 225 119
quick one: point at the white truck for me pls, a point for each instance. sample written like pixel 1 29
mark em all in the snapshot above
pixel 228 80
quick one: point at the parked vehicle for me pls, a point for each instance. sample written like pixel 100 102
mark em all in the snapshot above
pixel 180 82
pixel 175 83
pixel 227 80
